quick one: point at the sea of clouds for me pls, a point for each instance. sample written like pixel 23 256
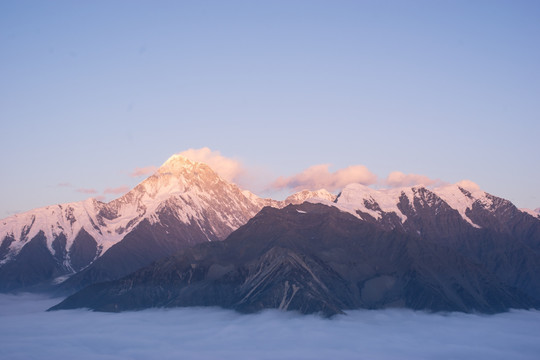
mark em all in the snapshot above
pixel 28 332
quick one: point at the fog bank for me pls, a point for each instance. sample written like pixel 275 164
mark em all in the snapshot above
pixel 28 332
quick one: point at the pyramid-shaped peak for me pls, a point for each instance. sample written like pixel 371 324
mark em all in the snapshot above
pixel 176 175
pixel 177 160
pixel 181 164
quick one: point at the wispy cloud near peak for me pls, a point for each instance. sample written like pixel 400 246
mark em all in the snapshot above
pixel 319 177
pixel 144 171
pixel 87 191
pixel 228 168
pixel 399 179
pixel 118 190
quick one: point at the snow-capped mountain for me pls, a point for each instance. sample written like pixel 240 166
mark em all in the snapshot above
pixel 191 189
pixel 452 248
pixel 398 207
pixel 480 226
pixel 185 202
pixel 182 203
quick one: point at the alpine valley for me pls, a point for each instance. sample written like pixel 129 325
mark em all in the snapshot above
pixel 186 237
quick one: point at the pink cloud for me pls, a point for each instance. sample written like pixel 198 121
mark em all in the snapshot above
pixel 144 171
pixel 399 179
pixel 119 190
pixel 227 168
pixel 468 185
pixel 64 184
pixel 318 177
pixel 87 191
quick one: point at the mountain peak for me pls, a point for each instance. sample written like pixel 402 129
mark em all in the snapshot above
pixel 177 174
pixel 177 163
pixel 183 202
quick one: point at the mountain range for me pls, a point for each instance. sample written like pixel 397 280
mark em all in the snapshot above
pixel 69 246
pixel 187 237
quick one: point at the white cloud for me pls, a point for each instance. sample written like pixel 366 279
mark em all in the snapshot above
pixel 144 171
pixel 399 179
pixel 468 185
pixel 313 178
pixel 115 191
pixel 87 191
pixel 318 177
pixel 198 333
pixel 228 168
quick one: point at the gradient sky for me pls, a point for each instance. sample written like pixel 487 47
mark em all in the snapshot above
pixel 90 91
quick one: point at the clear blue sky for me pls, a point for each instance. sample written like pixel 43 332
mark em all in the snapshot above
pixel 91 90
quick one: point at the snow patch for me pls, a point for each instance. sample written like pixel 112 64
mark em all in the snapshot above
pixel 358 197
pixel 535 213
pixel 309 195
pixel 61 279
pixel 462 199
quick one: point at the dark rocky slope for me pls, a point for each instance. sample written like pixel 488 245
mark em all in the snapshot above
pixel 317 259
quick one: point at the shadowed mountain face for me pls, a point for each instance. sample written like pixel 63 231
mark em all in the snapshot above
pixel 490 231
pixel 317 259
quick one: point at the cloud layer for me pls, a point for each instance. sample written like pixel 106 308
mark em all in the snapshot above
pixel 28 332
pixel 319 177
